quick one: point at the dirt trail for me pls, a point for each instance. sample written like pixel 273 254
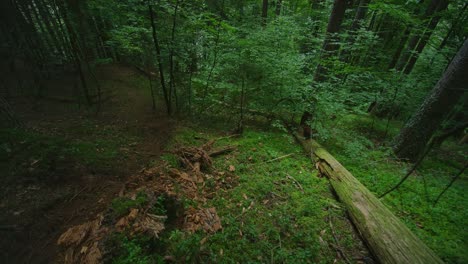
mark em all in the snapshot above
pixel 33 215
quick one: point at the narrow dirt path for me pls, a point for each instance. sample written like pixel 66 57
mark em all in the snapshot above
pixel 34 214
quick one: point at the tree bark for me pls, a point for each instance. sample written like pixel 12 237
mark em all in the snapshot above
pixel 425 38
pixel 279 4
pixel 401 46
pixel 441 100
pixel 77 53
pixel 158 56
pixel 330 44
pixel 360 14
pixel 386 235
pixel 264 12
pixel 357 22
pixel 414 41
pixel 172 84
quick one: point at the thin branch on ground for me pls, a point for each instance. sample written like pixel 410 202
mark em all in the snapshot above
pixel 450 184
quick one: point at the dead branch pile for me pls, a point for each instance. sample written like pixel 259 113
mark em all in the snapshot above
pixel 199 158
pixel 197 180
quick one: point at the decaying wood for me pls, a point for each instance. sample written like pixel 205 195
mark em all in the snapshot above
pixel 387 237
pixel 222 151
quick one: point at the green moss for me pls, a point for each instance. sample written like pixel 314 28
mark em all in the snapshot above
pixel 171 160
pixel 267 217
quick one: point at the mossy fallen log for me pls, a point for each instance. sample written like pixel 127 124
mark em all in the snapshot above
pixel 389 240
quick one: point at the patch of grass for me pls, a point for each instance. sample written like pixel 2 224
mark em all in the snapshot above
pixel 171 160
pixel 441 226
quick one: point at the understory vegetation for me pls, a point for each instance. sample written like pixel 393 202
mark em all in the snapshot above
pixel 280 211
pixel 167 131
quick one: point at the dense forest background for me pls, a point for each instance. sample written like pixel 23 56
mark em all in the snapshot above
pixel 372 79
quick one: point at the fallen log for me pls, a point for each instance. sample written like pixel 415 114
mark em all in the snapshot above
pixel 389 240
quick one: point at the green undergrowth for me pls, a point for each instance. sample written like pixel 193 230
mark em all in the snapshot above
pixel 358 143
pixel 279 212
pixel 38 157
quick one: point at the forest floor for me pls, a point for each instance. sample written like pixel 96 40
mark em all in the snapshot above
pixel 360 143
pixel 71 163
pixel 131 186
pixel 85 178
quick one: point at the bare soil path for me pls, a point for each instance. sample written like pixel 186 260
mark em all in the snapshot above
pixel 33 213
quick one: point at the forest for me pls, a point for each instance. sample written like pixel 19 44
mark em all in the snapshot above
pixel 233 131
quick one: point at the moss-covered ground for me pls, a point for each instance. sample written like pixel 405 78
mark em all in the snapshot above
pixel 359 143
pixel 280 211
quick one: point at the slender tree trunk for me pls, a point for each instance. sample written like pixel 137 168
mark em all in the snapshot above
pixel 172 85
pixel 414 40
pixel 153 101
pixel 400 48
pixel 158 56
pixel 264 12
pixel 215 60
pixel 53 32
pixel 279 4
pixel 330 44
pixel 425 38
pixel 60 25
pixel 414 136
pixel 357 23
pixel 372 20
pixel 77 54
pixel 360 14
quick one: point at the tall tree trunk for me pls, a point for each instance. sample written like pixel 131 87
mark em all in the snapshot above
pixel 61 27
pixel 425 38
pixel 77 15
pixel 279 4
pixel 441 100
pixel 357 22
pixel 400 48
pixel 316 6
pixel 330 45
pixel 414 40
pixel 158 56
pixel 77 52
pixel 53 32
pixel 264 12
pixel 372 20
pixel 172 85
pixel 360 14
